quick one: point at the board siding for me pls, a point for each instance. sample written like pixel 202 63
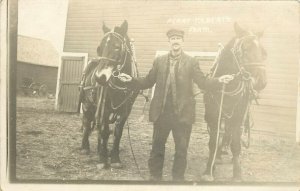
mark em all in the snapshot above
pixel 149 20
pixel 70 76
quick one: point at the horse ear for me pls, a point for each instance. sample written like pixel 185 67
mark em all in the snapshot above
pixel 105 28
pixel 238 30
pixel 124 27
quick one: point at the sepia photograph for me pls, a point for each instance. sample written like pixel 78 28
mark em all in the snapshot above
pixel 130 95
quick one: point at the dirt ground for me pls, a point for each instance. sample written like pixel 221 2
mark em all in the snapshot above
pixel 48 145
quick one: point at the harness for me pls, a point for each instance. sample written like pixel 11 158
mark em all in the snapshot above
pixel 245 84
pixel 112 85
pixel 245 87
pixel 120 64
pixel 125 50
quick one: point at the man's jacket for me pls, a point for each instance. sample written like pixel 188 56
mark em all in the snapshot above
pixel 188 72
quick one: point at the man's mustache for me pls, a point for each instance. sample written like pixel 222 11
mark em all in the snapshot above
pixel 176 44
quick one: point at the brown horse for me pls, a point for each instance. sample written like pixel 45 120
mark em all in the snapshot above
pixel 105 99
pixel 243 57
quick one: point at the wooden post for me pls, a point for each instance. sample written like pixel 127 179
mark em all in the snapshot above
pixel 298 113
pixel 11 69
pixel 3 91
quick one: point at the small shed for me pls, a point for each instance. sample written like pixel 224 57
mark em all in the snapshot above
pixel 37 60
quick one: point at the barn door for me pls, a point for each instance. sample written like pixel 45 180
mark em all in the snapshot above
pixel 69 76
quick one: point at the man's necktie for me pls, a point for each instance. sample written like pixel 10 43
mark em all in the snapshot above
pixel 173 83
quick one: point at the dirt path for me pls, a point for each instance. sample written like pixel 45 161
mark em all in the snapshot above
pixel 48 145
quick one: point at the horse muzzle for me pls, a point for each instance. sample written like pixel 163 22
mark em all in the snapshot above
pixel 259 74
pixel 104 75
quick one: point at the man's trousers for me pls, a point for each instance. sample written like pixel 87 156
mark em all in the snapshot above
pixel 181 133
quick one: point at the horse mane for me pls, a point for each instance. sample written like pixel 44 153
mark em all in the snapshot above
pixel 226 59
pixel 118 30
pixel 91 66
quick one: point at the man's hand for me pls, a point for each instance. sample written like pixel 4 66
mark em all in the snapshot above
pixel 225 79
pixel 125 77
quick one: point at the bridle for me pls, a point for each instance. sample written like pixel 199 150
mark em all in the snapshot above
pixel 245 84
pixel 119 65
pixel 121 62
pixel 238 54
pixel 125 50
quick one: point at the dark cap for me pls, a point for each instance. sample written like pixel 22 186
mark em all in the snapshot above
pixel 175 32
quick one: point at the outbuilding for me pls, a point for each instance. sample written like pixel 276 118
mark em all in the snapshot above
pixel 37 62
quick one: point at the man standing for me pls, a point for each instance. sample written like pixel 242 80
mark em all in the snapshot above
pixel 173 105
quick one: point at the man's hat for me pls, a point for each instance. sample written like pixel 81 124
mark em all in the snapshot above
pixel 173 32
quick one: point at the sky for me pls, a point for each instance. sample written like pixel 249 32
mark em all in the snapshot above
pixel 44 19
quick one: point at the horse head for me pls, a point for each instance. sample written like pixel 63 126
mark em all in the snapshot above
pixel 113 52
pixel 250 56
pixel 245 56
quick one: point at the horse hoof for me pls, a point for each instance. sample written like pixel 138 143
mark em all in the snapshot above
pixel 207 178
pixel 117 165
pixel 100 166
pixel 84 151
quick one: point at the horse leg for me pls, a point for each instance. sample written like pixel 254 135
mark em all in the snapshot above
pixel 210 167
pixel 224 146
pixel 85 144
pixel 236 150
pixel 115 158
pixel 87 128
pixel 103 135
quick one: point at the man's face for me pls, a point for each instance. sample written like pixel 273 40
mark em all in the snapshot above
pixel 176 42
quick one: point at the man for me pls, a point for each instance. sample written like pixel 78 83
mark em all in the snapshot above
pixel 173 105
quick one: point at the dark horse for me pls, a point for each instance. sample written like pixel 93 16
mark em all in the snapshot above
pixel 105 99
pixel 243 57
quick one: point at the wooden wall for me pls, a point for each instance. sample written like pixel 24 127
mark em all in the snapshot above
pixel 206 24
